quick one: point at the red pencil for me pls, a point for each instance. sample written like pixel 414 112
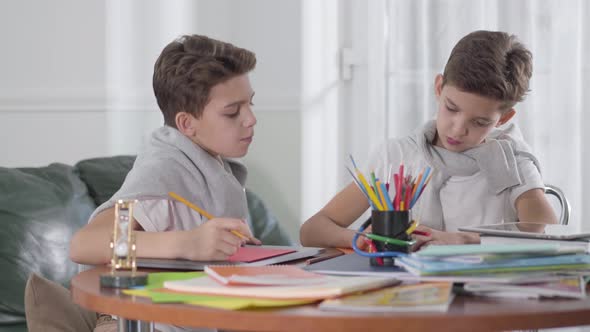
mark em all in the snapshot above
pixel 421 233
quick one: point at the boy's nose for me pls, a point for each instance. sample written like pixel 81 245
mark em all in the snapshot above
pixel 250 118
pixel 459 129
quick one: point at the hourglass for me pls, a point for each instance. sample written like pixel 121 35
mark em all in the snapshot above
pixel 123 250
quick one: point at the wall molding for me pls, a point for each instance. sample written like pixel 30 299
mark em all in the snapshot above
pixel 96 104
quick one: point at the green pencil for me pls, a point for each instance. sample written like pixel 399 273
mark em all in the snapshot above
pixel 388 240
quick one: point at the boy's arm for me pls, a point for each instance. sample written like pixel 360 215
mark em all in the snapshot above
pixel 532 206
pixel 90 245
pixel 210 241
pixel 327 228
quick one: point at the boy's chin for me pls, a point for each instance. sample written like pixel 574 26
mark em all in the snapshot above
pixel 458 149
pixel 235 154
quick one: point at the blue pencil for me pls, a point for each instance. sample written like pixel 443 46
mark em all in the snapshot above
pixel 419 190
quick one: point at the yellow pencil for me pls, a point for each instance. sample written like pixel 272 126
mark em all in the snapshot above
pixel 412 227
pixel 202 212
pixel 369 190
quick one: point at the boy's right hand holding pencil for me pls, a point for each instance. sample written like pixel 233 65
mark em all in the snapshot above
pixel 215 239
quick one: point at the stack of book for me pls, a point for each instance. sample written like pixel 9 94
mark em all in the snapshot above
pixel 537 270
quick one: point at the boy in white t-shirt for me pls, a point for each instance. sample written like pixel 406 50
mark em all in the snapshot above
pixel 482 174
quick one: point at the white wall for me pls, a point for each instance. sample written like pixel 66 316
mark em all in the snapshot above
pixel 74 71
pixel 52 82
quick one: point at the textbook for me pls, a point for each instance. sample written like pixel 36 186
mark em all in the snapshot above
pixel 567 286
pixel 330 287
pixel 262 275
pixel 404 298
pixel 420 266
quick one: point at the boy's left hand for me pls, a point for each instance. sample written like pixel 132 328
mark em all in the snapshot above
pixel 441 238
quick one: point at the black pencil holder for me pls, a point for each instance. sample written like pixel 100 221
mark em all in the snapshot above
pixel 392 224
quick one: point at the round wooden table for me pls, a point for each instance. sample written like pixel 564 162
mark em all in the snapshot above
pixel 465 313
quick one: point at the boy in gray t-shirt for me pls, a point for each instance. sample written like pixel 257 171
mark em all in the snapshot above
pixel 203 90
pixel 204 93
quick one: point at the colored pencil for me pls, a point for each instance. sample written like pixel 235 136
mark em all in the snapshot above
pixel 202 212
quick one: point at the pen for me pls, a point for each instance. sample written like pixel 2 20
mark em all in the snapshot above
pixel 318 259
pixel 412 228
pixel 203 212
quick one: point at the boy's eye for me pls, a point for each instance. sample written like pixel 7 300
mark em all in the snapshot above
pixel 451 109
pixel 234 114
pixel 482 123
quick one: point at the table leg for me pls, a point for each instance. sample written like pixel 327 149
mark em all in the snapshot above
pixel 129 325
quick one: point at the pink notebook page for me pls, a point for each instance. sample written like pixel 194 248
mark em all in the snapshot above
pixel 253 254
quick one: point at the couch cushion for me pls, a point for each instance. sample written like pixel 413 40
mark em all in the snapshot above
pixel 22 327
pixel 40 209
pixel 264 225
pixel 104 176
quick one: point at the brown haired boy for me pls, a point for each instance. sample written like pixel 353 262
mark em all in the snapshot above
pixel 204 93
pixel 482 174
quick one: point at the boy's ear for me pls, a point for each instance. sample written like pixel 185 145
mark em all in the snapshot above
pixel 438 83
pixel 185 123
pixel 506 117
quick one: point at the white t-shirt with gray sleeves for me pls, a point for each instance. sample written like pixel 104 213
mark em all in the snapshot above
pixel 171 162
pixel 475 187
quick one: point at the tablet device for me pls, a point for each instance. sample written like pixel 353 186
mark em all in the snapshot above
pixel 529 230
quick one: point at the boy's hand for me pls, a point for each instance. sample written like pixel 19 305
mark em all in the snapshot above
pixel 442 238
pixel 214 239
pixel 361 241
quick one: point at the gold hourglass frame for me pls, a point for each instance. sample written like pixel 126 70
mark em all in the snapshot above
pixel 122 243
pixel 123 263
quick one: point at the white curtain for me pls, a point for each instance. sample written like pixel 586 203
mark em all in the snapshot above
pixel 419 35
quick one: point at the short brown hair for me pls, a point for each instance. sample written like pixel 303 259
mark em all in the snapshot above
pixel 491 64
pixel 189 67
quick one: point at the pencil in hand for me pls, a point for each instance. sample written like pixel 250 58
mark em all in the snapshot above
pixel 204 213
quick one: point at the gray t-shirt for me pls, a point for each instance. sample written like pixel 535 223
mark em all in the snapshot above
pixel 172 162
